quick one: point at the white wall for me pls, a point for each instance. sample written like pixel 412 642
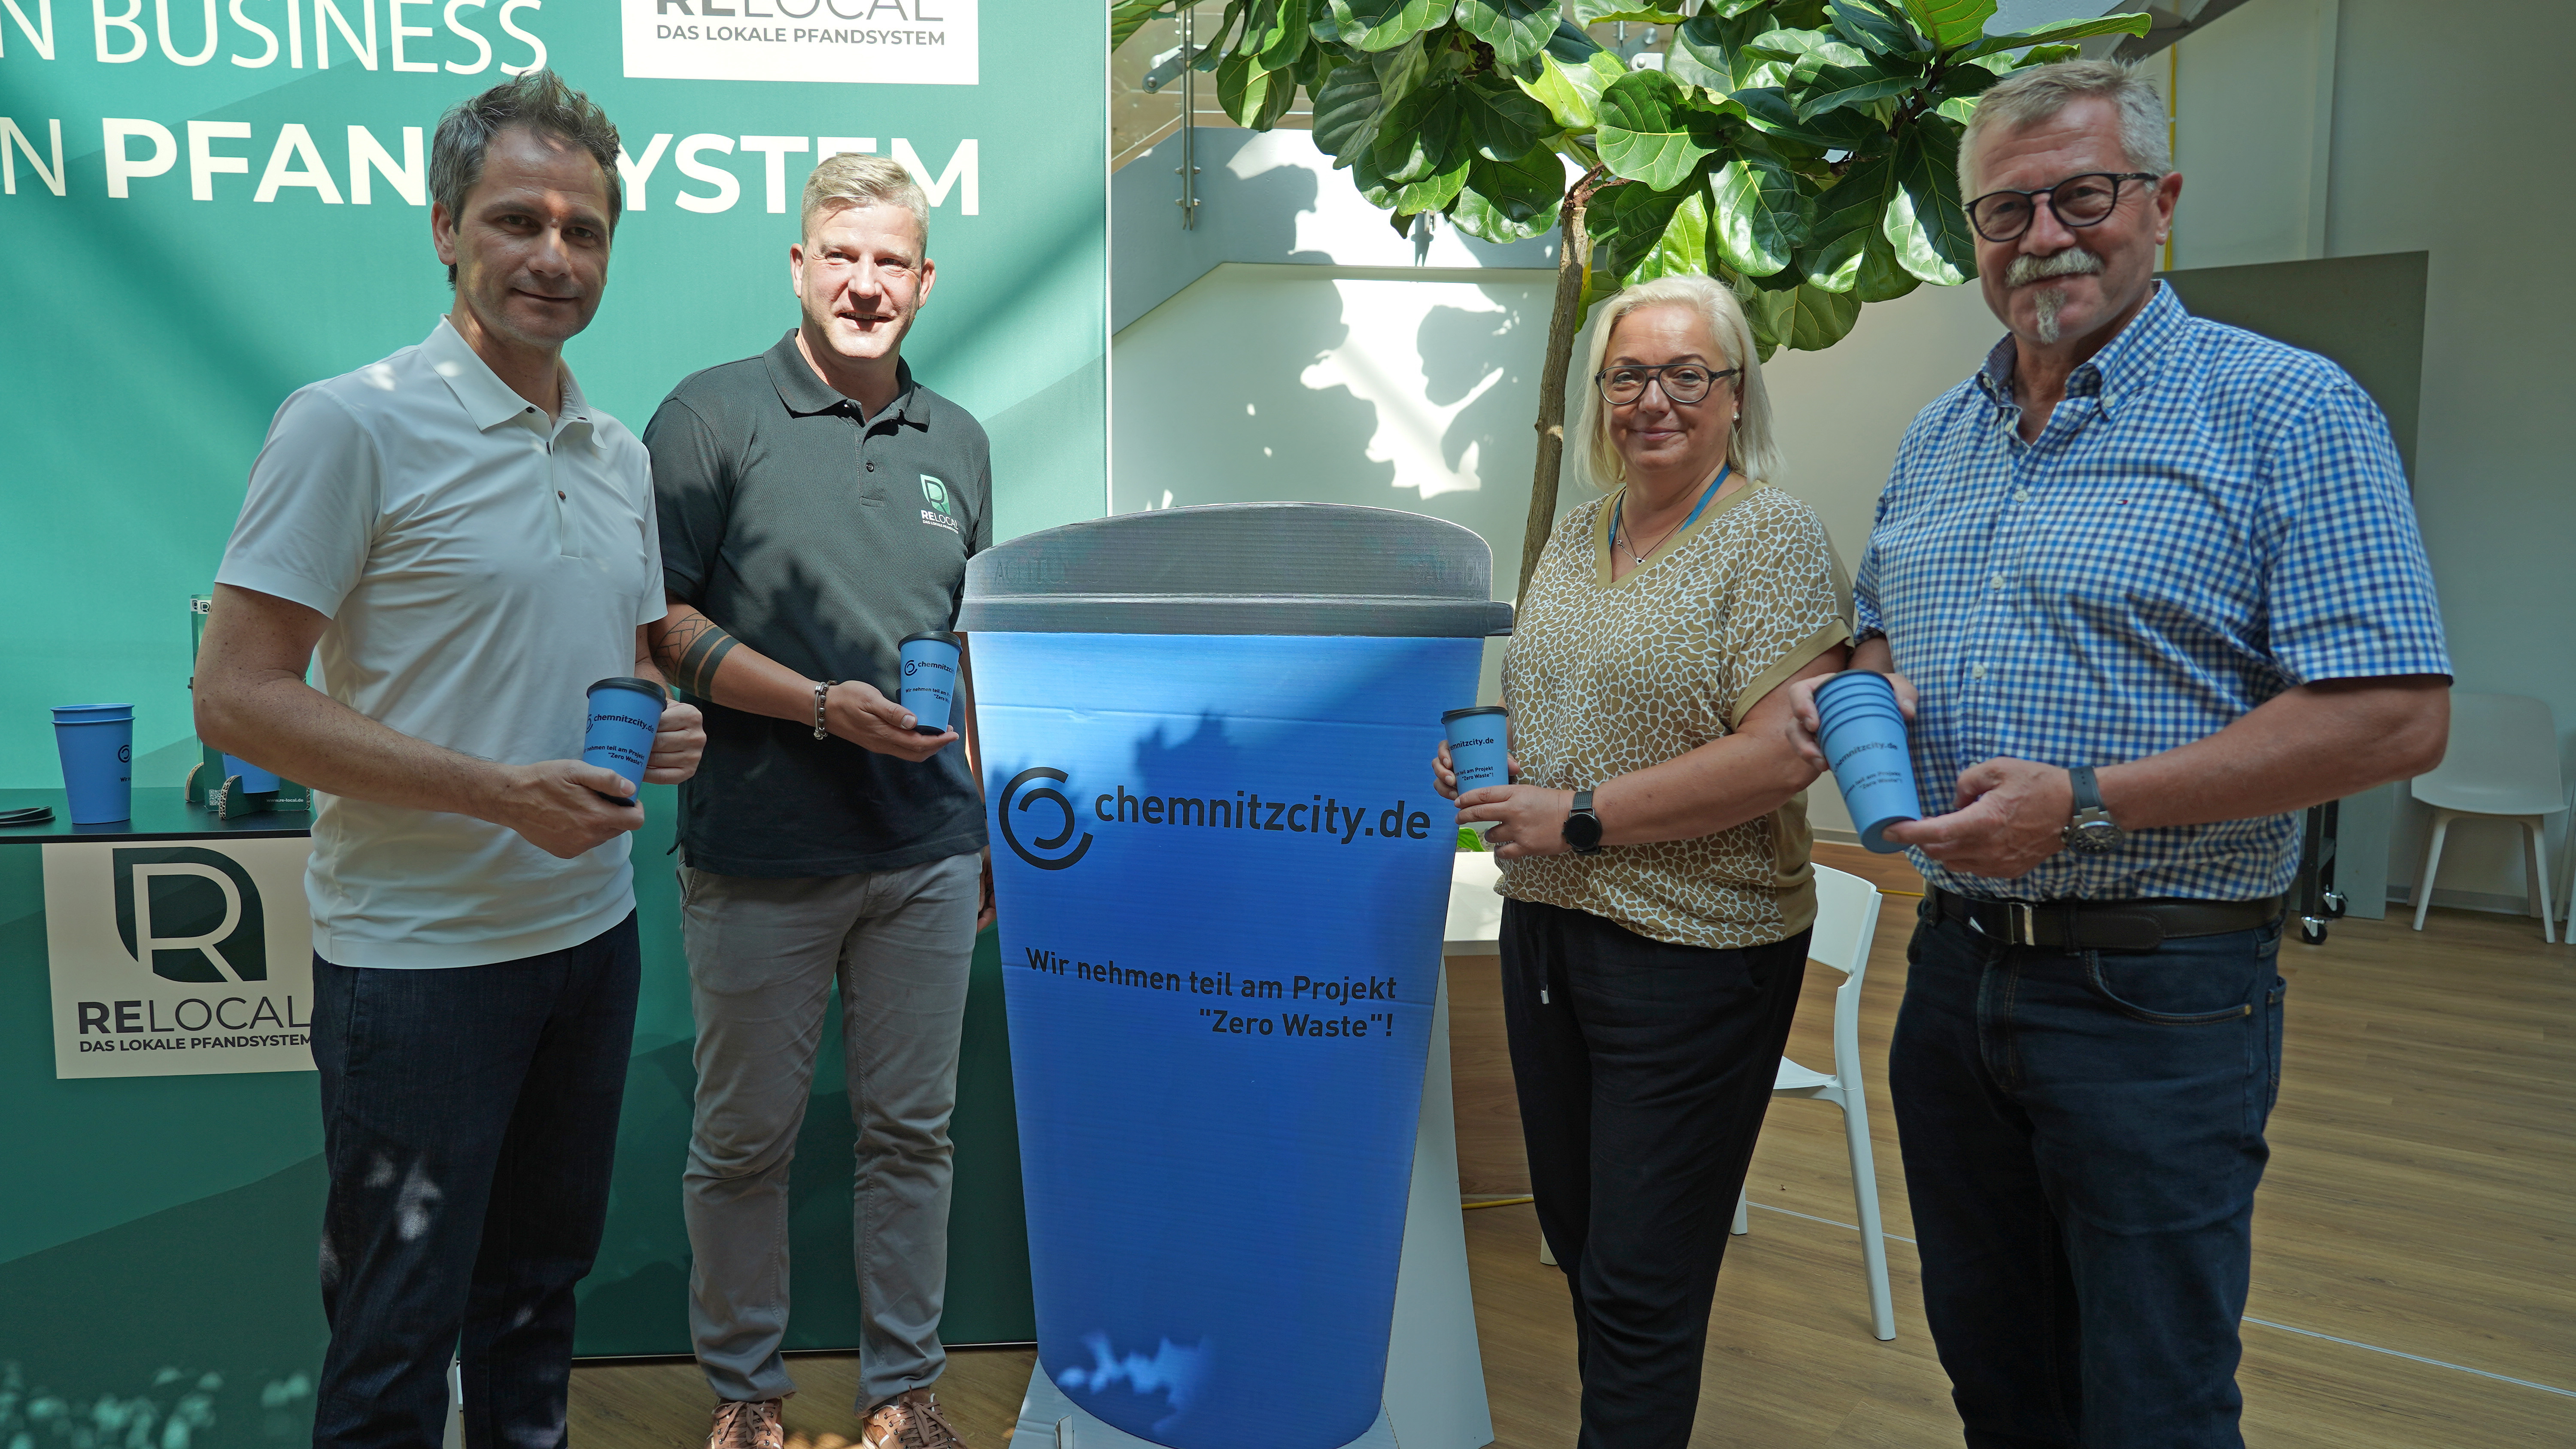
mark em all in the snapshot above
pixel 2438 144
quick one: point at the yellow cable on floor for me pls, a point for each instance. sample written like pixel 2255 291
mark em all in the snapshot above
pixel 1471 1204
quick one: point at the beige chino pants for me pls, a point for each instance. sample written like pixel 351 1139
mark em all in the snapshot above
pixel 763 958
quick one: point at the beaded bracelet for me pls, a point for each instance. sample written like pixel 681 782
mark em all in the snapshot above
pixel 820 692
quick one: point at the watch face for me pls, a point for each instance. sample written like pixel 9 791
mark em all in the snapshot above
pixel 1582 831
pixel 2094 837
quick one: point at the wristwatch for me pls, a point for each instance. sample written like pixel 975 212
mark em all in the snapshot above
pixel 2092 831
pixel 1582 827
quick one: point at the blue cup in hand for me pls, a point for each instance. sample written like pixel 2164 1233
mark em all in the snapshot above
pixel 1863 735
pixel 624 714
pixel 1479 746
pixel 96 742
pixel 929 679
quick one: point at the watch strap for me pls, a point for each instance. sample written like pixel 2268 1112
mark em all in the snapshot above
pixel 2088 793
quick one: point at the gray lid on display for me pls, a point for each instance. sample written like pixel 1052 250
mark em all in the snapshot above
pixel 1241 568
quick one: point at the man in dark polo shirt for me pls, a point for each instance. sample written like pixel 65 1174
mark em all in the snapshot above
pixel 817 505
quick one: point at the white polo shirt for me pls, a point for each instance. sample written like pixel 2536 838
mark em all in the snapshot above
pixel 482 566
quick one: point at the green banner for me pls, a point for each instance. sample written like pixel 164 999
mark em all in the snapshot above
pixel 205 204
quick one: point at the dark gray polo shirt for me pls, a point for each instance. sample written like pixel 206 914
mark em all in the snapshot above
pixel 819 537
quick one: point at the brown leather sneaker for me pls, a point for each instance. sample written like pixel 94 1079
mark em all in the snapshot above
pixel 747 1425
pixel 910 1421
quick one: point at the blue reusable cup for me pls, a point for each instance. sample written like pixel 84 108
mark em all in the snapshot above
pixel 624 713
pixel 254 779
pixel 929 679
pixel 97 745
pixel 1479 746
pixel 1863 734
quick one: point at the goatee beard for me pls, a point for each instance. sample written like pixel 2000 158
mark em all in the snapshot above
pixel 2045 306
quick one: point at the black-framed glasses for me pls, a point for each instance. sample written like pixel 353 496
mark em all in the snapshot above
pixel 1683 382
pixel 2086 200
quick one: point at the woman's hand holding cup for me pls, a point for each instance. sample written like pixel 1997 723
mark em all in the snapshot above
pixel 1524 819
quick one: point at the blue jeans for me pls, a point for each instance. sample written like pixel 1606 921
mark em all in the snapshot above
pixel 469 1118
pixel 2083 1133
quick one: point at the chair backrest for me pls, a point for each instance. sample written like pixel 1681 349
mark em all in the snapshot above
pixel 2503 758
pixel 1846 921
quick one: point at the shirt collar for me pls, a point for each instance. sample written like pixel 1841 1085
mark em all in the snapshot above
pixel 481 392
pixel 805 393
pixel 2124 363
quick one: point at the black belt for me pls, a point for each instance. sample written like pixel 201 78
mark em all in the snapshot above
pixel 2140 925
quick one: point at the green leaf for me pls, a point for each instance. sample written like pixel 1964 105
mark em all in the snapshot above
pixel 1502 122
pixel 1568 91
pixel 1435 191
pixel 1386 24
pixel 1126 17
pixel 1714 51
pixel 1874 30
pixel 1838 87
pixel 1418 135
pixel 1626 221
pixel 1880 279
pixel 1649 131
pixel 1760 217
pixel 1768 313
pixel 1276 36
pixel 2061 31
pixel 1949 24
pixel 1215 45
pixel 1509 201
pixel 1346 113
pixel 1791 47
pixel 1768 108
pixel 1569 43
pixel 1254 97
pixel 1817 320
pixel 1516 29
pixel 1957 109
pixel 1593 12
pixel 1924 222
pixel 1835 266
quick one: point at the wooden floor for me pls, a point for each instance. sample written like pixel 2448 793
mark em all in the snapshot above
pixel 2420 1199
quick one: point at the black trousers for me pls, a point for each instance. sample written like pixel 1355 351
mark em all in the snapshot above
pixel 1643 1072
pixel 469 1118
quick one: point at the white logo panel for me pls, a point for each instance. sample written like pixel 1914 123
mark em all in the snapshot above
pixel 871 42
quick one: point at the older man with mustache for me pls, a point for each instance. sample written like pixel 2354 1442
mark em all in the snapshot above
pixel 2148 585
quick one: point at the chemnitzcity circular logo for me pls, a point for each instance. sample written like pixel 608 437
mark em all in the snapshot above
pixel 1026 810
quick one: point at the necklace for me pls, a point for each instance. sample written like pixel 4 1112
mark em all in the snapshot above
pixel 1620 513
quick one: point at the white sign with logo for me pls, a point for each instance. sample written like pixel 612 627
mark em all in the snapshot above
pixel 176 958
pixel 882 42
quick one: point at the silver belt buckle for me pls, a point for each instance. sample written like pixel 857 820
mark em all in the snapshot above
pixel 2022 928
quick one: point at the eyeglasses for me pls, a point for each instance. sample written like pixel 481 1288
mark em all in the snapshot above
pixel 1682 382
pixel 2087 200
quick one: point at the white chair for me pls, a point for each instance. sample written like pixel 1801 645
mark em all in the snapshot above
pixel 2502 763
pixel 1846 923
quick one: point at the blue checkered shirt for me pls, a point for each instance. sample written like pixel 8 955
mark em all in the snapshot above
pixel 2211 518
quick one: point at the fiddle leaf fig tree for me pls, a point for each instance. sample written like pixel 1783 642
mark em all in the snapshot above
pixel 1805 152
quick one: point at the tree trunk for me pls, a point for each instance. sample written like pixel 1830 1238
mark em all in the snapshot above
pixel 1572 250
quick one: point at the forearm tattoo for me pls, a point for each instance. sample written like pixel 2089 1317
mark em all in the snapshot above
pixel 690 651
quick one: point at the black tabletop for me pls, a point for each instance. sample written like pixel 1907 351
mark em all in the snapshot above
pixel 159 814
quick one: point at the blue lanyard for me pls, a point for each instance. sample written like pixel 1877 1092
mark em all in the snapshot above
pixel 1714 484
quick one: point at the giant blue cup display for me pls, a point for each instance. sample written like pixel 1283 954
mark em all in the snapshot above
pixel 96 742
pixel 929 665
pixel 254 779
pixel 1223 876
pixel 1863 735
pixel 624 713
pixel 1479 746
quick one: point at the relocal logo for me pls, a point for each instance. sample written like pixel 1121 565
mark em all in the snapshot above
pixel 190 914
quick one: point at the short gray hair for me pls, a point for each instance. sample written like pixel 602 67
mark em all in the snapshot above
pixel 1752 450
pixel 2027 96
pixel 855 178
pixel 538 100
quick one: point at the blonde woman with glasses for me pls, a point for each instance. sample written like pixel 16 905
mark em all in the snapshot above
pixel 1654 842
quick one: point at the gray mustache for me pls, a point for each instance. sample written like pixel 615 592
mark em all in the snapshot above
pixel 2072 262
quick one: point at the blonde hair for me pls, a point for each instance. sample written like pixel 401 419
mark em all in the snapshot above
pixel 854 178
pixel 2028 96
pixel 1751 451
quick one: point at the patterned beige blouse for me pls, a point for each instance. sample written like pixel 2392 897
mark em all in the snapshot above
pixel 1605 677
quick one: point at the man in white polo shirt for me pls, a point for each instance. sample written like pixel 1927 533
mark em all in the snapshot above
pixel 470 545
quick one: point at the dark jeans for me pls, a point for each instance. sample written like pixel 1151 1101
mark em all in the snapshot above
pixel 2083 1134
pixel 1643 1077
pixel 469 1117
